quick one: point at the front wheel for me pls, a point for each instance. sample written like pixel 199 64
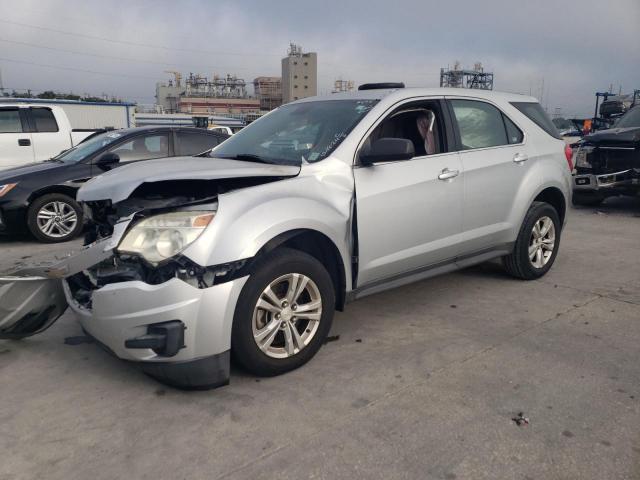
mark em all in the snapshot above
pixel 537 244
pixel 284 313
pixel 54 218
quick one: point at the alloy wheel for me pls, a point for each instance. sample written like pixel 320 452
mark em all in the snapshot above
pixel 542 242
pixel 287 315
pixel 57 219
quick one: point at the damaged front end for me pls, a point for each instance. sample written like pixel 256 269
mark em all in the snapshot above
pixel 608 163
pixel 133 286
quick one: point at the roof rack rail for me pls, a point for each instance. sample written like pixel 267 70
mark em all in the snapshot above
pixel 378 86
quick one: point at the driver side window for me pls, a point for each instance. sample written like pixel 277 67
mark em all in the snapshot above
pixel 143 148
pixel 421 123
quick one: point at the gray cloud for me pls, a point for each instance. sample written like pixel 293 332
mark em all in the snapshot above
pixel 576 46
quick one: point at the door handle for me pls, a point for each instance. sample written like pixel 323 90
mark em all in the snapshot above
pixel 520 158
pixel 446 174
pixel 24 142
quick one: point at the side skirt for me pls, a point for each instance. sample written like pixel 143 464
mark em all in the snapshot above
pixel 429 271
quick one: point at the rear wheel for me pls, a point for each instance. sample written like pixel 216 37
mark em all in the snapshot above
pixel 54 217
pixel 284 313
pixel 537 244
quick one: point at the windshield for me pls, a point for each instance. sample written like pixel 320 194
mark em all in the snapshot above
pixel 296 133
pixel 88 147
pixel 631 119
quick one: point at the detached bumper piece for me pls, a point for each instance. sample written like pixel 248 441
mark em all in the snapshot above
pixel 165 339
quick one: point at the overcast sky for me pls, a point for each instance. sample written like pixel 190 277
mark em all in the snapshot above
pixel 121 48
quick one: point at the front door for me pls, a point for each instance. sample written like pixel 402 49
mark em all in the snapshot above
pixel 409 213
pixel 16 148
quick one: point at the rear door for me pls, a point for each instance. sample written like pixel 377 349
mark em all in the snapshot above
pixel 192 143
pixel 142 147
pixel 15 140
pixel 48 141
pixel 495 162
pixel 409 213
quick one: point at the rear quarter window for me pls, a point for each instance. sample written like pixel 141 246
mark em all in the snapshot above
pixel 43 120
pixel 534 112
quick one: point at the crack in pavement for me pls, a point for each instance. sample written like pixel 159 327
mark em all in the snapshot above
pixel 601 295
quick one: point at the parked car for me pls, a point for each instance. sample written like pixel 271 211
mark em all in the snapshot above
pixel 31 133
pixel 608 162
pixel 40 197
pixel 320 202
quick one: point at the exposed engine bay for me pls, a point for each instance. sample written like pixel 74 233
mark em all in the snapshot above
pixel 156 197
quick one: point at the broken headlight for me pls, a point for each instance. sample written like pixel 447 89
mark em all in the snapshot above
pixel 164 236
pixel 582 157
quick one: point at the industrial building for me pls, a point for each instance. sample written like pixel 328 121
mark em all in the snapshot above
pixel 461 78
pixel 299 74
pixel 341 85
pixel 87 115
pixel 226 95
pixel 268 90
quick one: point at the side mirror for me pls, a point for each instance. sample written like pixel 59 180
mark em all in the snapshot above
pixel 388 150
pixel 108 160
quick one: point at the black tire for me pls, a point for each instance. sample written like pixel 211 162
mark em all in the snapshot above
pixel 518 263
pixel 586 200
pixel 39 203
pixel 273 265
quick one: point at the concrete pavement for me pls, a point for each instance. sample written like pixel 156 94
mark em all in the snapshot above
pixel 423 382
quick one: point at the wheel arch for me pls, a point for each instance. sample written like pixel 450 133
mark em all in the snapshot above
pixel 554 197
pixel 62 189
pixel 319 246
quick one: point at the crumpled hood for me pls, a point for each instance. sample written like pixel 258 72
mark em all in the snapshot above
pixel 629 135
pixel 119 183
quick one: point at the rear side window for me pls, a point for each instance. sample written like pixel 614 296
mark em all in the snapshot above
pixel 480 124
pixel 10 121
pixel 191 143
pixel 514 134
pixel 537 115
pixel 43 120
pixel 143 148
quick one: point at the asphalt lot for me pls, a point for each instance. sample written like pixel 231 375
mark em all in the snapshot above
pixel 423 382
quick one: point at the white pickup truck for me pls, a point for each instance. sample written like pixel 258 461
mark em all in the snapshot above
pixel 30 133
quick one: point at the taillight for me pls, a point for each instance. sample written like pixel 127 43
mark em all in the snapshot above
pixel 568 152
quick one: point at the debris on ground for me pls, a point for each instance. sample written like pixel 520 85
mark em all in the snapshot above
pixel 332 338
pixel 358 340
pixel 521 420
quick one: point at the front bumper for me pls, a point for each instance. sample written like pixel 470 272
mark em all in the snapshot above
pixel 32 299
pixel 13 220
pixel 608 183
pixel 123 311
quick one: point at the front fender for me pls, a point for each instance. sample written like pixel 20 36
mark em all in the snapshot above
pixel 248 219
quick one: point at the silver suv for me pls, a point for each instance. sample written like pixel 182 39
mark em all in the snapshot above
pixel 250 248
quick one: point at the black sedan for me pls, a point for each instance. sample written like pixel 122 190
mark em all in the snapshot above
pixel 40 197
